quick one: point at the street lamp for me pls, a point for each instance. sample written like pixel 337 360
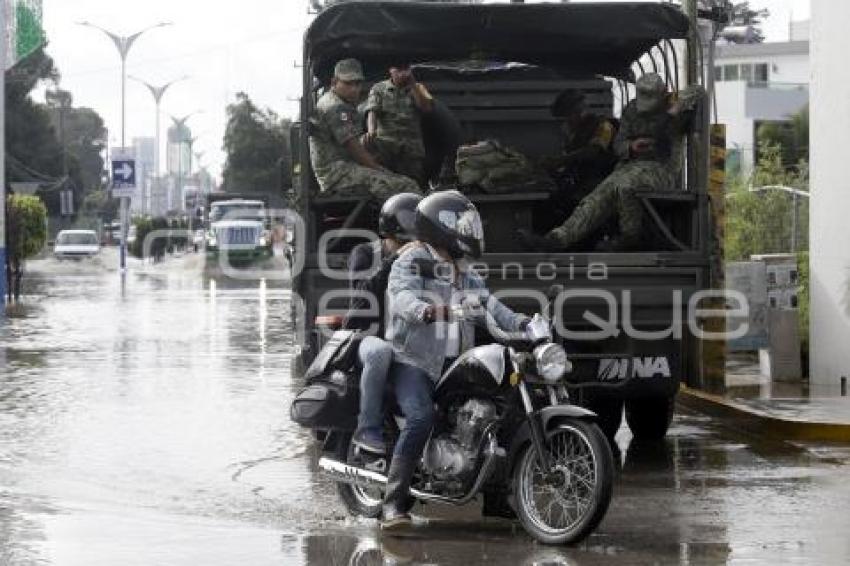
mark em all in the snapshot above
pixel 179 125
pixel 158 92
pixel 123 43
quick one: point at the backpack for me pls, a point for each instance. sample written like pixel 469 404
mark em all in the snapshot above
pixel 494 168
pixel 331 396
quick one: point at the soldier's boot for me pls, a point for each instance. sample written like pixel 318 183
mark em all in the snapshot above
pixel 394 514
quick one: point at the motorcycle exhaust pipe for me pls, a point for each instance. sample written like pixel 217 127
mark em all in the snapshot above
pixel 345 473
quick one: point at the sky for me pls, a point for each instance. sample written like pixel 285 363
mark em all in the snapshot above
pixel 224 48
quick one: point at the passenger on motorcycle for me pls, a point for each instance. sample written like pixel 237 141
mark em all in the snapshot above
pixel 430 276
pixel 369 267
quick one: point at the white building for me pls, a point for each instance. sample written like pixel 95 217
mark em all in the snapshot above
pixel 830 201
pixel 145 149
pixel 757 83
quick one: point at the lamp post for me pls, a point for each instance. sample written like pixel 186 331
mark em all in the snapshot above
pixel 158 92
pixel 179 125
pixel 123 43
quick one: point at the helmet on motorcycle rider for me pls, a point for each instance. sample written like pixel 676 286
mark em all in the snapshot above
pixel 397 216
pixel 449 220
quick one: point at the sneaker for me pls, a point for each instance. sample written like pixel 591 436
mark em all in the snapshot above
pixel 394 520
pixel 369 440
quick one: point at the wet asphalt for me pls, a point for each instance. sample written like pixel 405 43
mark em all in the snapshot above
pixel 146 423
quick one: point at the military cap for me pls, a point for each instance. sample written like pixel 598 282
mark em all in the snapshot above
pixel 650 90
pixel 349 70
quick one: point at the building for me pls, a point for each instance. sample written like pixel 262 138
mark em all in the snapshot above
pixel 145 149
pixel 757 83
pixel 179 152
pixel 829 230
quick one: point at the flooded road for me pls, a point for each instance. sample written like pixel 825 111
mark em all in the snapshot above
pixel 147 423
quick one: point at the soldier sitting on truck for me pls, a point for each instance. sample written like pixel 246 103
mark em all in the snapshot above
pixel 394 111
pixel 587 155
pixel 649 147
pixel 342 165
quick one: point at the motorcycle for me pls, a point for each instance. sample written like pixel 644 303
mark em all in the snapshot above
pixel 505 429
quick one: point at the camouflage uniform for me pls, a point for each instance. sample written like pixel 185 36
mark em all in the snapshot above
pixel 335 123
pixel 656 170
pixel 398 143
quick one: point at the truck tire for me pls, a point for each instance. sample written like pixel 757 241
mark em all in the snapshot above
pixel 650 418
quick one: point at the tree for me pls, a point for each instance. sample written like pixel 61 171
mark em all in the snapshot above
pixel 792 137
pixel 257 145
pixel 33 151
pixel 33 142
pixel 761 222
pixel 26 233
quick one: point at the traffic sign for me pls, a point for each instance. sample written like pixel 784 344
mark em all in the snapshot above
pixel 123 172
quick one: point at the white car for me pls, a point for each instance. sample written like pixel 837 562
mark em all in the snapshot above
pixel 76 244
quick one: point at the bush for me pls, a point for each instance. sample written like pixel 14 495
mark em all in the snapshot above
pixel 26 234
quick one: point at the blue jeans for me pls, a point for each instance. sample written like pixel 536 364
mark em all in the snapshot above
pixel 375 357
pixel 414 394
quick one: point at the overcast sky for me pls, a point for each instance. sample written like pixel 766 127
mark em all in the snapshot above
pixel 225 47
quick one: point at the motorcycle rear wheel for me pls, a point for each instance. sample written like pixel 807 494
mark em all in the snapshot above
pixel 359 501
pixel 568 509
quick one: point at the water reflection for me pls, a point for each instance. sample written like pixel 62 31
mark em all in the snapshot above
pixel 152 428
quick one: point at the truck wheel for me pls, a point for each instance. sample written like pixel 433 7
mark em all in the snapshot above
pixel 650 418
pixel 609 413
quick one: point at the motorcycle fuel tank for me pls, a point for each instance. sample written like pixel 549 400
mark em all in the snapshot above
pixel 483 366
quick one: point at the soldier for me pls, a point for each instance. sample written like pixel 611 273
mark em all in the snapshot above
pixel 342 165
pixel 649 147
pixel 394 122
pixel 587 155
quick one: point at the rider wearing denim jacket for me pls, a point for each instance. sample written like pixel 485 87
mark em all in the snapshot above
pixel 428 279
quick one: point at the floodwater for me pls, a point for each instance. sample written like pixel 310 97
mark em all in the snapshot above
pixel 146 422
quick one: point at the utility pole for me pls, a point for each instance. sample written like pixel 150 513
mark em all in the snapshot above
pixel 123 43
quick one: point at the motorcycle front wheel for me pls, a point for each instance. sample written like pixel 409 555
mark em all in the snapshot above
pixel 566 506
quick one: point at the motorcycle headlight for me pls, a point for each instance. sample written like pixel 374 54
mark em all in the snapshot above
pixel 551 361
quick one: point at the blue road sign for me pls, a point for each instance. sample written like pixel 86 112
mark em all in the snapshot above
pixel 123 172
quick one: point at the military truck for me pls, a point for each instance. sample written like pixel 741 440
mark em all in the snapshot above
pixel 236 226
pixel 498 68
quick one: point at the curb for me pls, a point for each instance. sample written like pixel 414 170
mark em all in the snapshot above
pixel 759 422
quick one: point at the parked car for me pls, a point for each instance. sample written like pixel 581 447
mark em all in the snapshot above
pixel 76 244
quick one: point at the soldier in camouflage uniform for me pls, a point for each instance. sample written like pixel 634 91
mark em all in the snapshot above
pixel 342 165
pixel 649 146
pixel 394 127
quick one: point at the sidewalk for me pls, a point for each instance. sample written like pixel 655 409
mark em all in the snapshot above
pixel 792 411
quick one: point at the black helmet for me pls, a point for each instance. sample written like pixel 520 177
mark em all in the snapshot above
pixel 397 216
pixel 448 220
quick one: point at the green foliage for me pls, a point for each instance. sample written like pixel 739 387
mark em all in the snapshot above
pixel 792 137
pixel 26 227
pixel 33 141
pixel 144 226
pixel 257 146
pixel 761 222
